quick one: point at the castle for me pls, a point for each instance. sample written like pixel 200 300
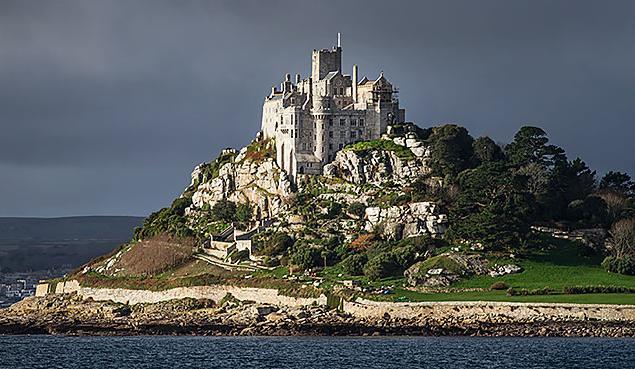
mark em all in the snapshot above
pixel 313 118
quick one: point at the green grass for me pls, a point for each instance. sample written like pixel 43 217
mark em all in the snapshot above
pixel 557 267
pixel 598 298
pixel 363 147
pixel 559 264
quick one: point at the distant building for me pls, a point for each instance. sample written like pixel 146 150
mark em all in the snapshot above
pixel 313 118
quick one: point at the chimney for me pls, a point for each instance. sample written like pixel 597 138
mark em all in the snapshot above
pixel 354 85
pixel 298 79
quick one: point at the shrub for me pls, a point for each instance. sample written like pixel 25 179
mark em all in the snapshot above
pixel 277 244
pixel 526 292
pixel 381 266
pixel 357 209
pixel 166 220
pixel 623 265
pixel 306 257
pixel 499 285
pixel 579 290
pixel 244 212
pixel 224 210
pixel 354 264
pixel 364 147
pixel 363 241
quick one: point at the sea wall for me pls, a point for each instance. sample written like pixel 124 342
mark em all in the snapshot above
pixel 489 311
pixel 215 293
pixel 499 312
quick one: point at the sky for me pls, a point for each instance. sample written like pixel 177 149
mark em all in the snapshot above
pixel 106 106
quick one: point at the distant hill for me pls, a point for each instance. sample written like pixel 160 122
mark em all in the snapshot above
pixel 28 244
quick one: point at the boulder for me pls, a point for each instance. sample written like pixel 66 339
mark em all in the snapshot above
pixel 499 270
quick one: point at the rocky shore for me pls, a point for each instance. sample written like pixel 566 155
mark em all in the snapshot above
pixel 71 315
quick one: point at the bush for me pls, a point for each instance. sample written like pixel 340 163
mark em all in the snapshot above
pixel 497 286
pixel 224 210
pixel 526 292
pixel 579 290
pixel 364 147
pixel 381 266
pixel 276 245
pixel 244 212
pixel 357 209
pixel 306 257
pixel 354 264
pixel 624 265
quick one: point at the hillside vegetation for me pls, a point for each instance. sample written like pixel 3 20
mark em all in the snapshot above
pixel 420 214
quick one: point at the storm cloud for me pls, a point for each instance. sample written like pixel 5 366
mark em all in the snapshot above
pixel 106 106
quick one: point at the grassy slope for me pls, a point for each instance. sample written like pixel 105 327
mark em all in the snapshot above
pixel 560 266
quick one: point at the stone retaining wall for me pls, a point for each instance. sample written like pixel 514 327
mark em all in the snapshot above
pixel 489 311
pixel 215 293
pixel 362 308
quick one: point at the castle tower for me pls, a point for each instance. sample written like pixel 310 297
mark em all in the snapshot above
pixel 325 61
pixel 311 119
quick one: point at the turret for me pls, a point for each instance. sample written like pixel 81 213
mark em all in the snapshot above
pixel 354 85
pixel 325 61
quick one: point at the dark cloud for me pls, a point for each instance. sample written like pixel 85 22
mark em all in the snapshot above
pixel 106 106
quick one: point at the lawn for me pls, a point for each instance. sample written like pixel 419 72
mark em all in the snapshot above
pixel 560 264
pixel 596 298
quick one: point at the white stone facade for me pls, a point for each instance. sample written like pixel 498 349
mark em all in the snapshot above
pixel 311 119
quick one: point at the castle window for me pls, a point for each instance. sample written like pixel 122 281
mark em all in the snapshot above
pixel 330 146
pixel 342 121
pixel 303 146
pixel 353 134
pixel 343 134
pixel 353 122
pixel 341 146
pixel 331 134
pixel 361 122
pixel 330 121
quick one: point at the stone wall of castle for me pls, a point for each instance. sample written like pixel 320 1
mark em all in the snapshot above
pixel 464 311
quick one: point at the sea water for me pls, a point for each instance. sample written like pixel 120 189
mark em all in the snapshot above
pixel 314 352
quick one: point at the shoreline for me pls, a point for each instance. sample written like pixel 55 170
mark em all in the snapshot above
pixel 70 314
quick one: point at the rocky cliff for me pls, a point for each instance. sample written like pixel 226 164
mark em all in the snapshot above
pixel 399 160
pixel 242 178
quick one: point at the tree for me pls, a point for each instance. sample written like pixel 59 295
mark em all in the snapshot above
pixel 618 182
pixel 451 150
pixel 224 210
pixel 622 248
pixel 354 264
pixel 305 256
pixel 617 205
pixel 277 244
pixel 179 205
pixel 493 206
pixel 244 212
pixel 530 145
pixel 590 211
pixel 623 238
pixel 381 266
pixel 486 150
pixel 357 209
